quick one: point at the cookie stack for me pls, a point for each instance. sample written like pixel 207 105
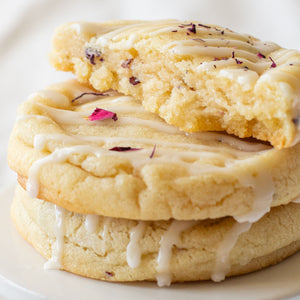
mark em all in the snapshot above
pixel 173 158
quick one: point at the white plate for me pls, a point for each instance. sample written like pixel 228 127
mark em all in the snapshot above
pixel 22 276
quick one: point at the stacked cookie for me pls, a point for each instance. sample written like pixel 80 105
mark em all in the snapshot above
pixel 129 180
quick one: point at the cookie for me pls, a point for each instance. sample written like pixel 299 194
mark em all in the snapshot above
pixel 167 251
pixel 103 153
pixel 197 77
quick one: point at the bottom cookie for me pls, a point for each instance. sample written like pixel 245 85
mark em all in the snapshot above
pixel 167 251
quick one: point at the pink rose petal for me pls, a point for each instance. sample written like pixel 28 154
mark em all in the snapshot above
pixel 102 114
pixel 123 149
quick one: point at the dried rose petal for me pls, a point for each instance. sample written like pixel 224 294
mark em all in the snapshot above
pixel 102 114
pixel 89 93
pixel 91 53
pixel 296 121
pixel 238 61
pixel 192 29
pixel 205 26
pixel 273 65
pixel 134 81
pixel 123 149
pixel 126 63
pixel 153 151
pixel 260 55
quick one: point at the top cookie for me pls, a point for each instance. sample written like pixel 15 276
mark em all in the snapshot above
pixel 133 165
pixel 195 76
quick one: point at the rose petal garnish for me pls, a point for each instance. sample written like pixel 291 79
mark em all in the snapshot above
pixel 91 53
pixel 205 26
pixel 102 114
pixel 134 81
pixel 89 93
pixel 192 29
pixel 296 121
pixel 126 63
pixel 153 151
pixel 238 61
pixel 123 149
pixel 260 55
pixel 273 65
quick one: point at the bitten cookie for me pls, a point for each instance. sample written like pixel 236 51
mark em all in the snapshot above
pixel 105 154
pixel 195 76
pixel 115 249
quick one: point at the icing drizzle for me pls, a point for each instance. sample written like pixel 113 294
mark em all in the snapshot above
pixel 222 264
pixel 59 231
pixel 91 223
pixel 168 240
pixel 187 153
pixel 134 248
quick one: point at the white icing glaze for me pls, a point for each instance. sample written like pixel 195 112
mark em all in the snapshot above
pixel 115 33
pixel 27 117
pixel 222 50
pixel 192 152
pixel 134 249
pixel 297 200
pixel 239 149
pixel 59 155
pixel 236 143
pixel 184 48
pixel 184 153
pixel 104 232
pixel 91 223
pixel 187 158
pixel 59 231
pixel 54 97
pixel 246 78
pixel 222 264
pixel 89 28
pixel 170 238
pixel 211 41
pixel 66 117
pixel 73 117
pixel 263 188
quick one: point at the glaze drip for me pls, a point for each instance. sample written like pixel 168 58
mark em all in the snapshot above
pixel 222 264
pixel 170 238
pixel 134 248
pixel 55 261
